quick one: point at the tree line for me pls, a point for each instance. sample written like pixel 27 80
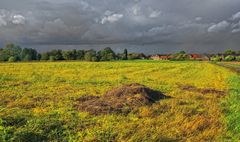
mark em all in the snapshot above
pixel 228 55
pixel 14 53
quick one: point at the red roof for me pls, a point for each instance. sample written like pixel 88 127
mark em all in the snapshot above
pixel 195 56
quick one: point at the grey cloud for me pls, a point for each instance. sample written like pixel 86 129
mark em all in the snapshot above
pixel 111 18
pixel 236 16
pixel 2 21
pixel 155 14
pixel 198 18
pixel 236 30
pixel 18 19
pixel 139 22
pixel 221 26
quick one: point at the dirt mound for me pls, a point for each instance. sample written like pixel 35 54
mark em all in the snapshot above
pixel 201 90
pixel 123 99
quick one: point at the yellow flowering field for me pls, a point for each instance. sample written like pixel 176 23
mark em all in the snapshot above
pixel 37 101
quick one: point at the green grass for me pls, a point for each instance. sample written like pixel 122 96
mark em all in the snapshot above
pixel 231 107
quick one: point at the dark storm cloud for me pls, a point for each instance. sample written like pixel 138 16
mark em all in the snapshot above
pixel 193 25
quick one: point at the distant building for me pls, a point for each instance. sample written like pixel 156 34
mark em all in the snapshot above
pixel 199 57
pixel 160 57
pixel 189 56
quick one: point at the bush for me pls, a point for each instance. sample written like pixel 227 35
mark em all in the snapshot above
pixel 91 55
pixel 216 59
pixel 229 58
pixel 44 56
pixel 106 54
pixel 238 58
pixel 52 58
pixel 12 59
pixel 27 58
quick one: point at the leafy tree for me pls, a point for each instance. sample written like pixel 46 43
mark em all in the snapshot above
pixel 238 58
pixel 216 58
pixel 3 56
pixel 74 54
pixel 11 50
pixel 229 58
pixel 182 52
pixel 80 55
pixel 91 55
pixel 57 54
pixel 52 58
pixel 27 58
pixel 229 52
pixel 95 59
pixel 125 53
pixel 39 56
pixel 45 56
pixel 182 57
pixel 29 54
pixel 69 55
pixel 107 54
pixel 12 59
pixel 134 56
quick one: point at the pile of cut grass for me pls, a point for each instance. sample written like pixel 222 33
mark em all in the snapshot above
pixel 121 100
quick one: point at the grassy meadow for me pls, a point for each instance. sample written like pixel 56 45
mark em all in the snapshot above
pixel 37 102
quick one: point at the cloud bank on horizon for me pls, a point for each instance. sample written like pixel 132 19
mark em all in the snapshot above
pixel 200 23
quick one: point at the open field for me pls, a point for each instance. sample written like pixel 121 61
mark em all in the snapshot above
pixel 38 102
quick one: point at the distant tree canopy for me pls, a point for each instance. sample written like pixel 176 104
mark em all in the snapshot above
pixel 91 55
pixel 106 54
pixel 11 51
pixel 56 54
pixel 45 56
pixel 182 52
pixel 14 53
pixel 125 54
pixel 69 55
pixel 238 58
pixel 29 54
pixel 134 56
pixel 230 58
pixel 229 52
pixel 179 56
pixel 80 54
pixel 216 58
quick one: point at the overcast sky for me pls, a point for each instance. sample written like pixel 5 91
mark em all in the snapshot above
pixel 141 25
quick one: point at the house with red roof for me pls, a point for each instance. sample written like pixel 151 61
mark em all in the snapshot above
pixel 160 57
